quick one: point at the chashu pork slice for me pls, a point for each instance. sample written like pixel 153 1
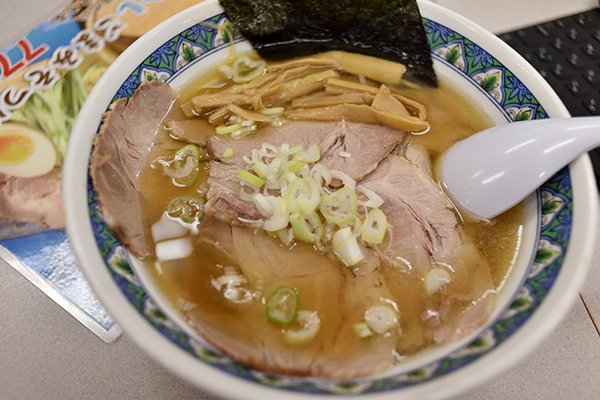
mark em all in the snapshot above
pixel 338 295
pixel 120 151
pixel 426 234
pixel 422 219
pixel 353 148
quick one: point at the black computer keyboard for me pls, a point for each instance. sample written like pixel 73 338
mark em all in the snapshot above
pixel 566 52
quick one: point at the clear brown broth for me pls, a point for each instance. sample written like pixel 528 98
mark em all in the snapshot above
pixel 452 118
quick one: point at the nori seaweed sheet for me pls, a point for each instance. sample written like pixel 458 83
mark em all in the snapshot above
pixel 390 29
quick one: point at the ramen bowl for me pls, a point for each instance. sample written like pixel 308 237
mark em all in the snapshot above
pixel 543 284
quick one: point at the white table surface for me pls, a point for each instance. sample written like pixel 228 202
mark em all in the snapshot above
pixel 46 354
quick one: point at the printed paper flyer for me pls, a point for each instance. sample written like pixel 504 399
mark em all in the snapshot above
pixel 45 78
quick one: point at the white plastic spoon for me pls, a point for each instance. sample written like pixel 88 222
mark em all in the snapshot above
pixel 493 170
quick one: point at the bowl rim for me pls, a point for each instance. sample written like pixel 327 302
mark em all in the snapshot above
pixel 537 327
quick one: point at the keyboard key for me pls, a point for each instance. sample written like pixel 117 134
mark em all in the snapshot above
pixel 574 34
pixel 592 75
pixel 559 70
pixel 578 87
pixel 584 19
pixel 559 44
pixel 544 54
pixel 566 52
pixel 561 23
pixel 544 29
pixel 577 60
pixel 592 50
pixel 592 104
pixel 575 105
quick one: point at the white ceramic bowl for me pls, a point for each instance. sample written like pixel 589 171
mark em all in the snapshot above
pixel 541 288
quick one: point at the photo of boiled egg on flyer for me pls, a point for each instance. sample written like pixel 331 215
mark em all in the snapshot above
pixel 45 77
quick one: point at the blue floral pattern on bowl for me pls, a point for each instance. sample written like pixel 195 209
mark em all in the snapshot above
pixel 483 71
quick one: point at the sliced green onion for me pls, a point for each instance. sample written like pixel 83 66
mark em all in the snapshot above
pixel 309 322
pixel 293 191
pixel 310 204
pixel 280 217
pixel 228 280
pixel 302 195
pixel 263 205
pixel 290 177
pixel 228 153
pixel 227 129
pixel 270 112
pixel 250 179
pixel 435 279
pixel 242 133
pixel 306 208
pixel 374 228
pixel 381 319
pixel 286 236
pixel 260 168
pixel 321 175
pixel 344 178
pixel 295 149
pixel 294 165
pixel 362 330
pixel 187 208
pixel 346 247
pixel 179 169
pixel 308 229
pixel 232 285
pixel 189 150
pixel 282 307
pixel 373 199
pixel 184 168
pixel 226 70
pixel 237 295
pixel 245 69
pixel 310 155
pixel 339 207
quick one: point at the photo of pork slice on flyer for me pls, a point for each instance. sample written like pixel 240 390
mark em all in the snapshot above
pixel 45 77
pixel 34 136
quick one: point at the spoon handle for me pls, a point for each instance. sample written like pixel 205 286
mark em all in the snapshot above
pixel 491 171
